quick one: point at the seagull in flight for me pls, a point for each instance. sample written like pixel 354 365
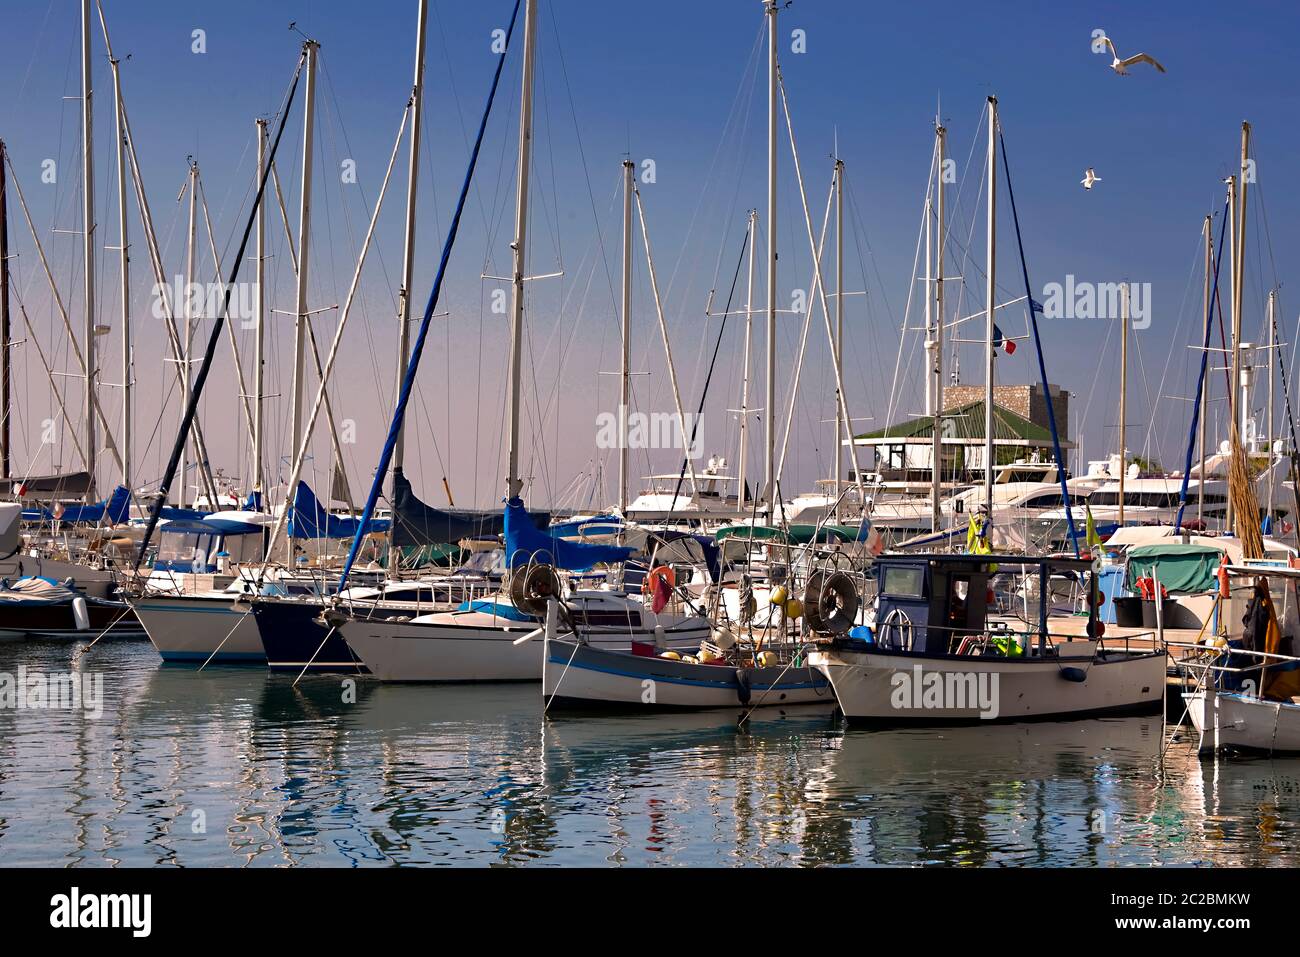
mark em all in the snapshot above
pixel 1121 66
pixel 1089 178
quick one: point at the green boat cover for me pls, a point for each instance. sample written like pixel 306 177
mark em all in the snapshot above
pixel 792 534
pixel 1181 569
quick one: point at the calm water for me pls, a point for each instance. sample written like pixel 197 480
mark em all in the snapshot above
pixel 238 768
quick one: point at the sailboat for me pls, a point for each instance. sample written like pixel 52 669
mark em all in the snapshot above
pixel 481 641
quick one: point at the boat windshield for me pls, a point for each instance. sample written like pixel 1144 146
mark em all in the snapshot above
pixel 185 548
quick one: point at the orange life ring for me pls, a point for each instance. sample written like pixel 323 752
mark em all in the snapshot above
pixel 664 572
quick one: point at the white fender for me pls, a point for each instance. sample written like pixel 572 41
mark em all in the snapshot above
pixel 80 613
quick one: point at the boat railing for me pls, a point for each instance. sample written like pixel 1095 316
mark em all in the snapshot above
pixel 978 642
pixel 1209 661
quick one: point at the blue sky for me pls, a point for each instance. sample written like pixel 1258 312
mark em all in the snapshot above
pixel 675 83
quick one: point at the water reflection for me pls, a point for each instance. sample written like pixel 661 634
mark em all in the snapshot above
pixel 235 767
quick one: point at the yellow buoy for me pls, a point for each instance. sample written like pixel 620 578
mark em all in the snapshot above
pixel 794 608
pixel 766 659
pixel 778 596
pixel 671 655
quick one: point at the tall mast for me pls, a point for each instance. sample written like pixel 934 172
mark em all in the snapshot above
pixel 769 404
pixel 1205 384
pixel 514 484
pixel 625 396
pixel 1234 351
pixel 742 475
pixel 5 384
pixel 259 341
pixel 1123 396
pixel 408 256
pixel 408 259
pixel 1239 275
pixel 1268 429
pixel 301 331
pixel 124 271
pixel 936 448
pixel 839 324
pixel 990 290
pixel 188 341
pixel 88 240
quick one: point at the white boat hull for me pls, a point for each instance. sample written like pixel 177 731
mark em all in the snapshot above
pixel 410 651
pixel 903 688
pixel 1239 723
pixel 191 629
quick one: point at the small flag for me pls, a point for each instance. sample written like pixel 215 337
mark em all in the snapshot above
pixel 1002 342
pixel 1092 538
pixel 21 490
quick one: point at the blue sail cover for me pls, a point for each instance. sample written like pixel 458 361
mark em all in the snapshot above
pixel 525 542
pixel 254 503
pixel 309 519
pixel 174 514
pixel 113 511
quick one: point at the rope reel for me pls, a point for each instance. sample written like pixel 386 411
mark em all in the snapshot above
pixel 830 602
pixel 532 588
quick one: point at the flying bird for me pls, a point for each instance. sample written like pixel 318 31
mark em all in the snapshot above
pixel 1121 66
pixel 1089 178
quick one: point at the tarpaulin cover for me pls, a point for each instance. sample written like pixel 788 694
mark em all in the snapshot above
pixel 66 486
pixel 417 524
pixel 797 534
pixel 1181 569
pixel 309 519
pixel 112 511
pixel 526 542
pixel 173 514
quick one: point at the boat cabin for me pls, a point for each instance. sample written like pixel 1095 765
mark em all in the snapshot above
pixel 932 604
pixel 198 546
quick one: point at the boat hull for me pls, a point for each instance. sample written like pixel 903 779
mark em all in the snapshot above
pixel 1234 722
pixel 424 652
pixel 893 688
pixel 58 620
pixel 294 638
pixel 580 677
pixel 194 629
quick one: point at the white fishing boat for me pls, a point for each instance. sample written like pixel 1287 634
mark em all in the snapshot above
pixel 1245 680
pixel 933 655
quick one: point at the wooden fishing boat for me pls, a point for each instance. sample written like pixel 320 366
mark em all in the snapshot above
pixel 934 656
